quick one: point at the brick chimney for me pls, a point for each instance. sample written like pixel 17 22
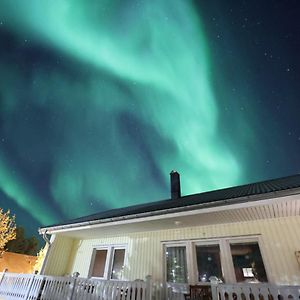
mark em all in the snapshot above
pixel 175 185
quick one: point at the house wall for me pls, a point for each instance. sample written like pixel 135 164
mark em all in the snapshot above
pixel 59 255
pixel 279 239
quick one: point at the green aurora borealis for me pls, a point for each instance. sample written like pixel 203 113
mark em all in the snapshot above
pixel 101 99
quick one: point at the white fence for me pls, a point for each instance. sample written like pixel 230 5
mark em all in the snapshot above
pixel 237 291
pixel 37 287
pixel 255 291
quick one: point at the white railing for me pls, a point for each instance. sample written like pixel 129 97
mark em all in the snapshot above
pixel 168 291
pixel 255 291
pixel 100 289
pixel 238 291
pixel 36 287
pixel 176 291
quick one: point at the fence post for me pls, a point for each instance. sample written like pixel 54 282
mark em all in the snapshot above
pixel 148 287
pixel 74 279
pixel 29 287
pixel 1 278
pixel 214 290
pixel 3 274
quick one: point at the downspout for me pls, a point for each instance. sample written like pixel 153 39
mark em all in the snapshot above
pixel 49 244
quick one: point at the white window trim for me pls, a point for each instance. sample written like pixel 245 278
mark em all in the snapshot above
pixel 225 255
pixel 212 242
pixel 109 260
pixel 254 239
pixel 175 244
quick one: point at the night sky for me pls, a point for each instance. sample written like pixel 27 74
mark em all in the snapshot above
pixel 101 99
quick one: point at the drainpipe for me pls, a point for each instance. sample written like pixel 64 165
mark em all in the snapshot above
pixel 49 243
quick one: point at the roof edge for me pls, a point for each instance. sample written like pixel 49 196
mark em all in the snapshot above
pixel 251 198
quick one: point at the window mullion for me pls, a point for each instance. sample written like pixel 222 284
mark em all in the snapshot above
pixel 191 262
pixel 227 263
pixel 108 264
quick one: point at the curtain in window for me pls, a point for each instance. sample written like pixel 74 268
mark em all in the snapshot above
pixel 248 263
pixel 176 264
pixel 99 263
pixel 118 264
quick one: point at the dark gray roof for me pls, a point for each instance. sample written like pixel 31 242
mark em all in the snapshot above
pixel 242 191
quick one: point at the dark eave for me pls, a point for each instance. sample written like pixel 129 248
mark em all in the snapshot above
pixel 246 191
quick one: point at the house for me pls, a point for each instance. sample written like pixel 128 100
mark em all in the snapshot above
pixel 248 233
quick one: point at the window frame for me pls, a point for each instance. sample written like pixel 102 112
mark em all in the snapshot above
pixel 175 244
pixel 109 260
pixel 239 240
pixel 227 266
pixel 211 242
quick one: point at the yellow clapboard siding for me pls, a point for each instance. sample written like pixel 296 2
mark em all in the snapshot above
pixel 59 256
pixel 279 239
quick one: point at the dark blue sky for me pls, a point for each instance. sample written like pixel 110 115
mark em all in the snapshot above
pixel 99 100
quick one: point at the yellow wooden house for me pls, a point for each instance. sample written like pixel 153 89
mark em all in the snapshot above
pixel 248 233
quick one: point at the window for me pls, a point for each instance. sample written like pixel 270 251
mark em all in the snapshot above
pixel 118 264
pixel 176 264
pixel 208 262
pixel 247 262
pixel 99 263
pixel 235 259
pixel 108 262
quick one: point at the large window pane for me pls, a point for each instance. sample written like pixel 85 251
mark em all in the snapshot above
pixel 176 264
pixel 247 261
pixel 208 262
pixel 99 263
pixel 118 264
